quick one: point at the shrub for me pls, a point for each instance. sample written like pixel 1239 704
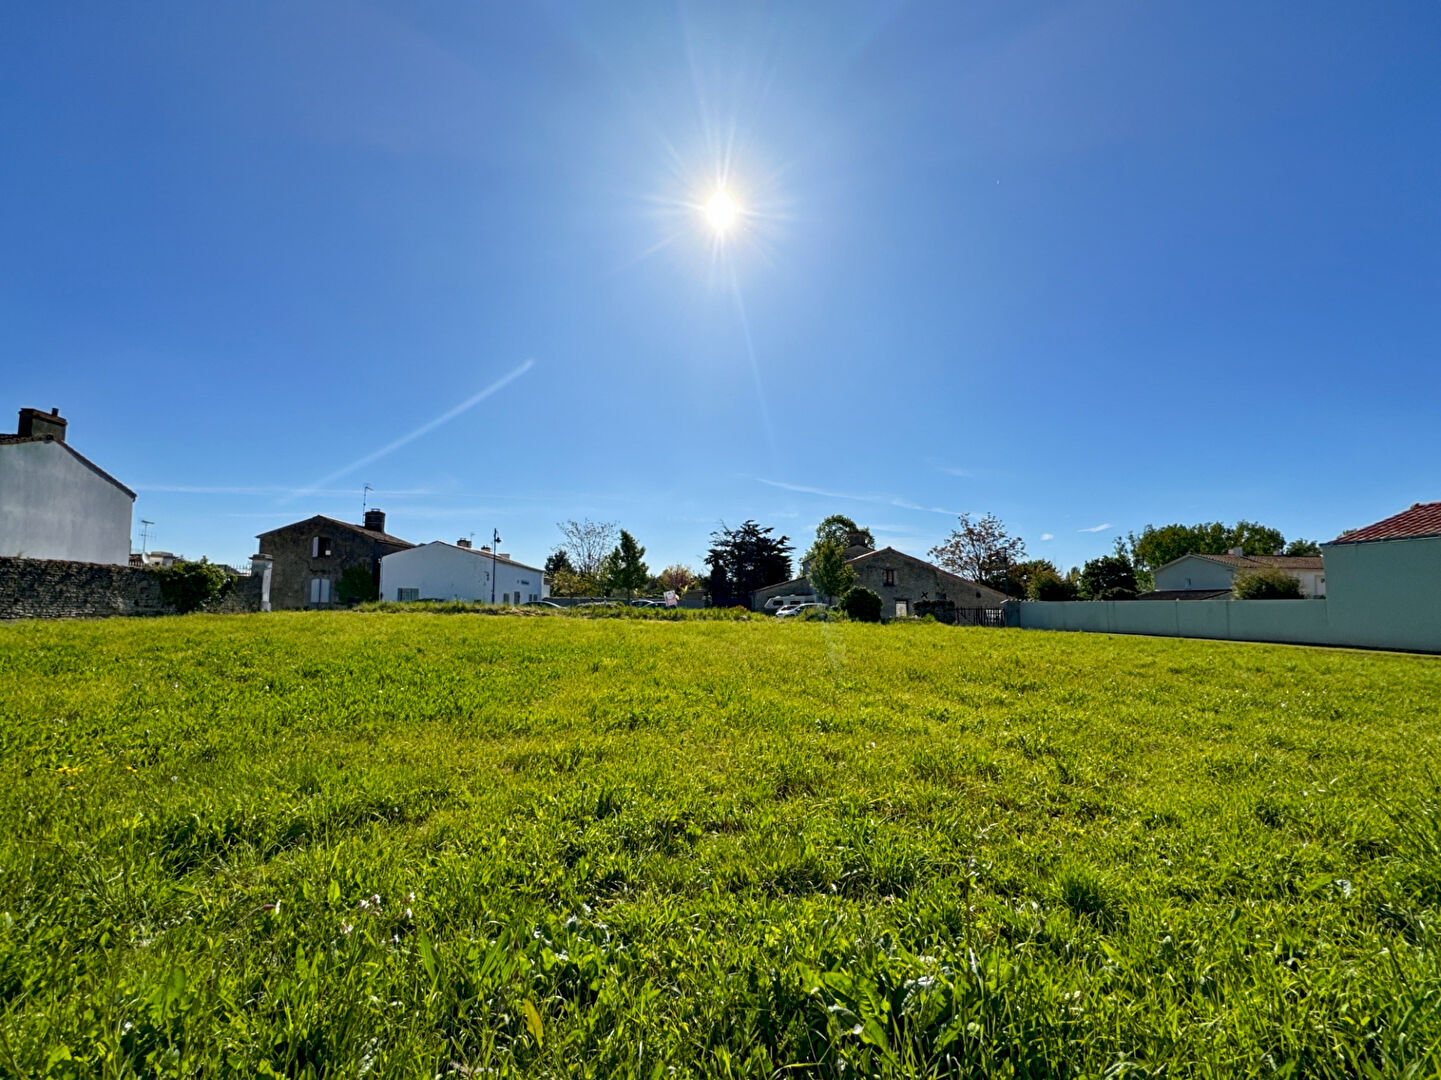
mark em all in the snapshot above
pixel 1110 577
pixel 862 604
pixel 1051 587
pixel 357 585
pixel 1268 583
pixel 187 586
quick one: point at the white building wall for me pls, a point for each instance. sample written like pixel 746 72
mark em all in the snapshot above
pixel 53 506
pixel 441 571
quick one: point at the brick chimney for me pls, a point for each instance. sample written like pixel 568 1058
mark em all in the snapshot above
pixel 375 520
pixel 463 542
pixel 36 422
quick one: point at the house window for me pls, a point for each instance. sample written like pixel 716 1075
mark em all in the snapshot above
pixel 407 596
pixel 888 577
pixel 320 547
pixel 319 590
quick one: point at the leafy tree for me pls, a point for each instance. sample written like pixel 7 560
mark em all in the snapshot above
pixel 587 543
pixel 1158 545
pixel 1267 583
pixel 1019 576
pixel 862 604
pixel 357 585
pixel 1109 577
pixel 1045 583
pixel 677 577
pixel 980 549
pixel 1302 547
pixel 839 529
pixel 569 583
pixel 556 561
pixel 187 586
pixel 829 574
pixel 744 559
pixel 626 570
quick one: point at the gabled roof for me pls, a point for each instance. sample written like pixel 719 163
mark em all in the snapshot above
pixel 486 555
pixel 932 566
pixel 1184 594
pixel 1422 519
pixel 1256 562
pixel 8 440
pixel 336 523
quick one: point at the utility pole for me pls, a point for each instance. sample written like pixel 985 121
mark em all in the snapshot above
pixel 494 551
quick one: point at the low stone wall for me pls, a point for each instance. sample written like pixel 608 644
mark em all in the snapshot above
pixel 56 589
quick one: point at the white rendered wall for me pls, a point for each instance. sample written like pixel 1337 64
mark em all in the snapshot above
pixel 440 571
pixel 53 506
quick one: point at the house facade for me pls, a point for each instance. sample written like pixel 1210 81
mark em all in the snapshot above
pixel 308 558
pixel 901 581
pixel 57 504
pixel 441 571
pixel 1210 577
pixel 1385 581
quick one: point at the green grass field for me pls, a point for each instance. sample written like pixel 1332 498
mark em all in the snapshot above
pixel 444 845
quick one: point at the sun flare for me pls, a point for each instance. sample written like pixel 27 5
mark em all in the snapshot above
pixel 721 211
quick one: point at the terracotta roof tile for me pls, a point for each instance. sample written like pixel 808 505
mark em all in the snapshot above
pixel 1255 562
pixel 1422 519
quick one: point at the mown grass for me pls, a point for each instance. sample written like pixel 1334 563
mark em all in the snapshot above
pixel 418 845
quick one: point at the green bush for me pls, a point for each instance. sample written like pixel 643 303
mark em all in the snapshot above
pixel 1051 587
pixel 862 604
pixel 357 585
pixel 1269 583
pixel 187 586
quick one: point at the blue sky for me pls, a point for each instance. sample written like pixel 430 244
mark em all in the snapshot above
pixel 1085 266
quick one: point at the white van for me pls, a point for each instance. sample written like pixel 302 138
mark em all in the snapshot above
pixel 775 603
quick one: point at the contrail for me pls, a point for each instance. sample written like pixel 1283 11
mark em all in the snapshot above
pixel 424 429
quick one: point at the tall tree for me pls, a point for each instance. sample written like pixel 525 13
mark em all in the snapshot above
pixel 557 561
pixel 829 574
pixel 980 549
pixel 744 559
pixel 1110 577
pixel 626 570
pixel 1159 544
pixel 1302 547
pixel 841 529
pixel 587 543
pixel 677 577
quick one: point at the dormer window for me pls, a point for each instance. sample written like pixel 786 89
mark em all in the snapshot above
pixel 320 547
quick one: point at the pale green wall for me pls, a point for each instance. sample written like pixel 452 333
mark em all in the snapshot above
pixel 1387 593
pixel 1191 572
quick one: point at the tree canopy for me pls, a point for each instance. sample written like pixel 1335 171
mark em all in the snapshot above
pixel 1110 577
pixel 1159 544
pixel 626 570
pixel 980 549
pixel 744 559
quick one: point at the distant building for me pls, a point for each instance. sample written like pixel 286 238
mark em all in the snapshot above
pixel 56 503
pixel 160 558
pixel 1210 577
pixel 441 571
pixel 902 581
pixel 310 556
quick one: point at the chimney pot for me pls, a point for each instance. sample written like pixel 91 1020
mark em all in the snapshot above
pixel 463 542
pixel 375 520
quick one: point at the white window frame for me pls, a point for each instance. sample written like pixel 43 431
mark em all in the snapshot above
pixel 320 590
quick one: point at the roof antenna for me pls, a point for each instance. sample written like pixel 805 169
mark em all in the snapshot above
pixel 365 500
pixel 145 534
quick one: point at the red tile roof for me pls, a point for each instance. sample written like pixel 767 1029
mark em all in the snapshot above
pixel 1252 562
pixel 1423 519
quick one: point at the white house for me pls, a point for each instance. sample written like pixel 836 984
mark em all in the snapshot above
pixel 441 571
pixel 56 504
pixel 1210 577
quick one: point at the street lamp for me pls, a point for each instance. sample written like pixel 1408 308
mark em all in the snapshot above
pixel 494 551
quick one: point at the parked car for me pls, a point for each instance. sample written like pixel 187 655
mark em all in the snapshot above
pixel 639 602
pixel 545 603
pixel 796 609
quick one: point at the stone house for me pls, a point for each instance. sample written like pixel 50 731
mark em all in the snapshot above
pixel 56 503
pixel 309 556
pixel 901 581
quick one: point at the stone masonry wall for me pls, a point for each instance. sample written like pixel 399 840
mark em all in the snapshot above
pixel 56 589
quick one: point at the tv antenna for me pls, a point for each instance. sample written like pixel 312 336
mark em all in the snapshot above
pixel 144 534
pixel 365 499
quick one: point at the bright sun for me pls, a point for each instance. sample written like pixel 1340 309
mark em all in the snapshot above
pixel 721 211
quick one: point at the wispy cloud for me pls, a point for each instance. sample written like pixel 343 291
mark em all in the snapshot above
pixel 873 499
pixel 1048 536
pixel 952 470
pixel 424 429
pixel 1098 528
